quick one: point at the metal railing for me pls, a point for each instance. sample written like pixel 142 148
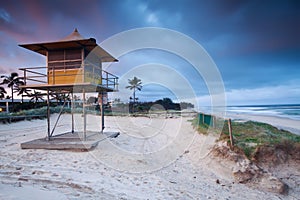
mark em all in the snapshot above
pixel 109 80
pixel 42 75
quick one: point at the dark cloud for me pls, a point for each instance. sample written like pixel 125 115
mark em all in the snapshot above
pixel 253 42
pixel 255 26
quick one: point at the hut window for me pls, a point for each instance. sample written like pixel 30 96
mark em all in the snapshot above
pixel 64 59
pixel 55 56
pixel 73 54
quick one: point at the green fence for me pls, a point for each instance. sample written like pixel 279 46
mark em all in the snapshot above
pixel 206 119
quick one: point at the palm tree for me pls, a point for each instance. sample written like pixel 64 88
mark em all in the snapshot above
pixel 2 92
pixel 60 97
pixel 20 90
pixel 134 84
pixel 11 81
pixel 36 97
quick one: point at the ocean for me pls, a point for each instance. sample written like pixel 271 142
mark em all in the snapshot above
pixel 291 111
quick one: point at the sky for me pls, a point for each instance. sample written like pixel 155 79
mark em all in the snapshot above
pixel 254 44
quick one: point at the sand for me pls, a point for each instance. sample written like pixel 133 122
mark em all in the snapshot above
pixel 291 125
pixel 153 158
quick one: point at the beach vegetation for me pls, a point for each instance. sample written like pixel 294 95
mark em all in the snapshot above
pixel 251 135
pixel 2 93
pixel 161 105
pixel 134 84
pixel 36 97
pixel 12 81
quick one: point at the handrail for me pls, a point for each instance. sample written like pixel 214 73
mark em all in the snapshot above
pixel 34 76
pixel 35 80
pixel 109 73
pixel 36 73
pixel 109 80
pixel 26 68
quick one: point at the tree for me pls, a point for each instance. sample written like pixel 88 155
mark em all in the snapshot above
pixel 20 90
pixel 186 105
pixel 134 84
pixel 92 100
pixel 2 92
pixel 117 100
pixel 168 104
pixel 36 97
pixel 60 97
pixel 11 81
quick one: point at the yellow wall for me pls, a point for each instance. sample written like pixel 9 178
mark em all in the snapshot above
pixel 69 76
pixel 72 76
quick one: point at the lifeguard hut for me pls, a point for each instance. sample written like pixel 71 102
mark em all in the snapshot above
pixel 73 65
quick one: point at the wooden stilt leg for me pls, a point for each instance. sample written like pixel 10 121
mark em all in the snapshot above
pixel 101 104
pixel 84 115
pixel 102 115
pixel 72 111
pixel 48 116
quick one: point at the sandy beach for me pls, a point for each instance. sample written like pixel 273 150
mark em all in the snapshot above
pixel 291 125
pixel 152 158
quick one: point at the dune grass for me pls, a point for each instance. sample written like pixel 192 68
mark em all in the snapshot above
pixel 37 113
pixel 250 135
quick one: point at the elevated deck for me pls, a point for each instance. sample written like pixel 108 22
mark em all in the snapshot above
pixel 37 78
pixel 73 88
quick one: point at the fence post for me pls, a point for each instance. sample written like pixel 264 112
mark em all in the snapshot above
pixel 214 121
pixel 230 133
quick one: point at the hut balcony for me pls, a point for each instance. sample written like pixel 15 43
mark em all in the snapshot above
pixel 68 75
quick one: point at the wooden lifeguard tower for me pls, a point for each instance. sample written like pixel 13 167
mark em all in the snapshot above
pixel 73 65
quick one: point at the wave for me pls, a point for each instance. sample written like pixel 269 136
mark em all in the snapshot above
pixel 291 111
